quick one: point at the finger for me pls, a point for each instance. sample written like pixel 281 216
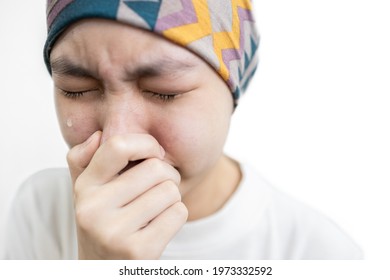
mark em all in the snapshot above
pixel 164 227
pixel 148 206
pixel 114 155
pixel 139 179
pixel 79 156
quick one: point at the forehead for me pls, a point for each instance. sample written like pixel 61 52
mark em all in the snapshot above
pixel 97 39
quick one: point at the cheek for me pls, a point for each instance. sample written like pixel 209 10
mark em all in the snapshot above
pixel 77 129
pixel 194 142
pixel 76 124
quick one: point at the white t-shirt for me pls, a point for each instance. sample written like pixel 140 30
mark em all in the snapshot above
pixel 258 222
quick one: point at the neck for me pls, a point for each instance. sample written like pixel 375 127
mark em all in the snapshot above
pixel 214 191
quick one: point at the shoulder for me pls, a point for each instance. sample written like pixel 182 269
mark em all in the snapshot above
pixel 40 223
pixel 46 185
pixel 314 235
pixel 297 230
pixel 45 178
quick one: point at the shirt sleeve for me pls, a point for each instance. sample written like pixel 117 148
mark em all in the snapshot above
pixel 327 241
pixel 311 235
pixel 39 223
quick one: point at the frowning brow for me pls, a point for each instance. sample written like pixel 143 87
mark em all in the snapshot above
pixel 65 67
pixel 160 67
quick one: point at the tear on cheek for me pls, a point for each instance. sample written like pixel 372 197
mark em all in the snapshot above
pixel 69 123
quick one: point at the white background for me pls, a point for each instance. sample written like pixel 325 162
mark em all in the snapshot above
pixel 315 122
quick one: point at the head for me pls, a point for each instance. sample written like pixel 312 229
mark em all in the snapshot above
pixel 126 72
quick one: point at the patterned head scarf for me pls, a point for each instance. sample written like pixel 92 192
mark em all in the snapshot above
pixel 222 32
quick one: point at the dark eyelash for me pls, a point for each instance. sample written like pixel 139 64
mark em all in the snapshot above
pixel 166 97
pixel 78 94
pixel 73 95
pixel 163 97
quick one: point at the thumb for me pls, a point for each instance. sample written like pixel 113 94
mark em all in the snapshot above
pixel 80 155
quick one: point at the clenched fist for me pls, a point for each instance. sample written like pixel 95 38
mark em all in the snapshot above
pixel 127 201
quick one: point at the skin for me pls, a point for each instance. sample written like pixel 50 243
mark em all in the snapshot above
pixel 148 124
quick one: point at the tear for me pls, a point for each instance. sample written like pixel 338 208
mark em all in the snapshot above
pixel 69 123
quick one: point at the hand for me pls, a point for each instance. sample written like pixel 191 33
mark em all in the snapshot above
pixel 128 216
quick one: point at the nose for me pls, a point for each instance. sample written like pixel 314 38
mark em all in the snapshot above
pixel 122 114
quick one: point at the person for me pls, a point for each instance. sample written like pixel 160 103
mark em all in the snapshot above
pixel 144 92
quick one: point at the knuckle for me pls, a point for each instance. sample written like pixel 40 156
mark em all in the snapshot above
pixel 163 171
pixel 111 240
pixel 177 176
pixel 116 144
pixel 155 166
pixel 172 191
pixel 87 212
pixel 180 211
pixel 84 216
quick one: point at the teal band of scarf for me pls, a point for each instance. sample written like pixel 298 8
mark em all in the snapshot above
pixel 221 32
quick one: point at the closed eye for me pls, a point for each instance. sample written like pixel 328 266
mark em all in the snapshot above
pixel 161 96
pixel 75 94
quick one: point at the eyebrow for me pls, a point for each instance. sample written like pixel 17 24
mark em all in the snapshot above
pixel 162 66
pixel 63 66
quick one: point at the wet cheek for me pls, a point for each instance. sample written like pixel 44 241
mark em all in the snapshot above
pixel 76 130
pixel 76 121
pixel 69 122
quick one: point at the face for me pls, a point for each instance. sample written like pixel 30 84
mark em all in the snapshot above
pixel 120 80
